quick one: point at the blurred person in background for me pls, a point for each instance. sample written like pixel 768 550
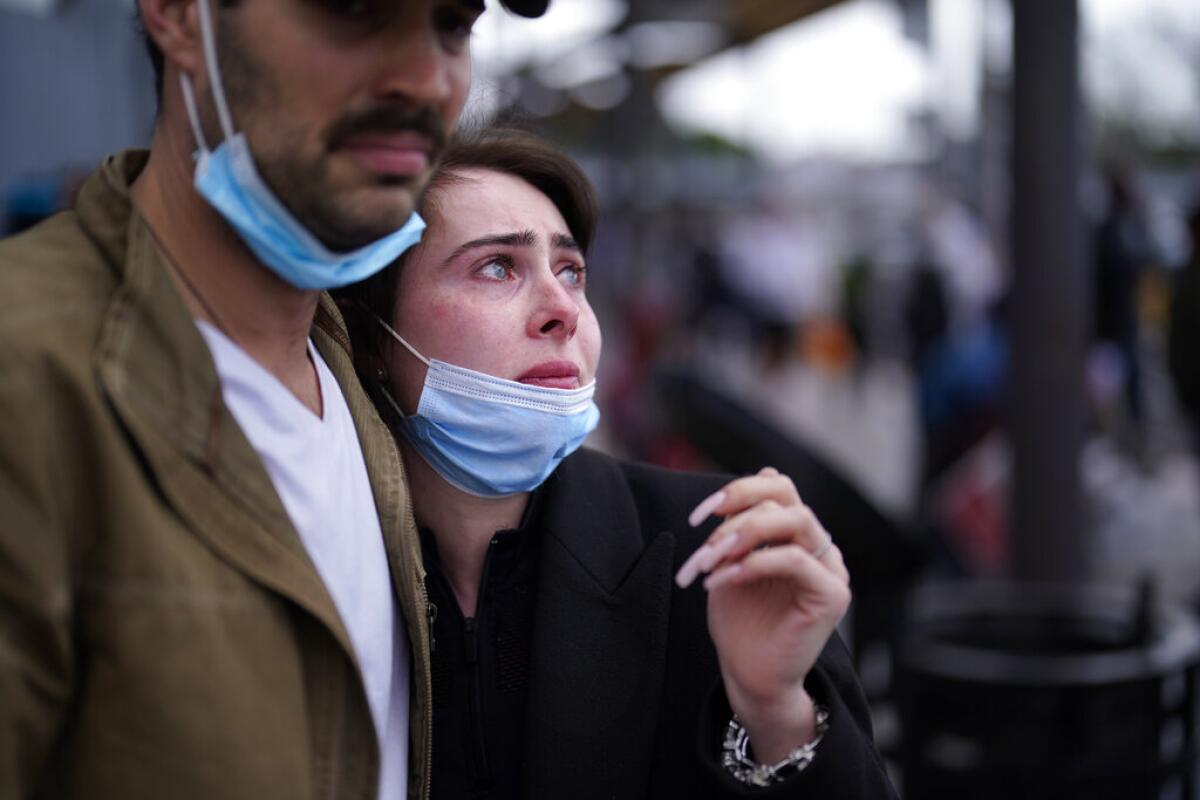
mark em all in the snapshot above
pixel 566 664
pixel 960 373
pixel 1122 252
pixel 209 582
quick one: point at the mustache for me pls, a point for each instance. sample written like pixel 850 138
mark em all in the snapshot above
pixel 391 119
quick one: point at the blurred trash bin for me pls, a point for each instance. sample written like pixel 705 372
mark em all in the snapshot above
pixel 1029 692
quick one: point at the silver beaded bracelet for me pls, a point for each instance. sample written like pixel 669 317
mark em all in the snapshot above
pixel 735 754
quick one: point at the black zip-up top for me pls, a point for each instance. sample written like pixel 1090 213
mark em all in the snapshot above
pixel 481 668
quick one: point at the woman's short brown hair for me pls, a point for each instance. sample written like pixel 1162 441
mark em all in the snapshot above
pixel 507 151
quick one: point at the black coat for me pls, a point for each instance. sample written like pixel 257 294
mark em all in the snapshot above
pixel 625 693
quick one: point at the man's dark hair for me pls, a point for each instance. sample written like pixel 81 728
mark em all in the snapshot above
pixel 524 8
pixel 507 151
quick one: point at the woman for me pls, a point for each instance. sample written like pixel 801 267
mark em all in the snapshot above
pixel 566 662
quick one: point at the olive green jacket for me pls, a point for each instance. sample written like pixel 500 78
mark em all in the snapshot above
pixel 163 632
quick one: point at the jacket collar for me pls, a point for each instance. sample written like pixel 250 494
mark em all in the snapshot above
pixel 157 372
pixel 600 636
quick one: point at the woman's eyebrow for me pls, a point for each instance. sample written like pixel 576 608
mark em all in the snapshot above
pixel 525 238
pixel 565 242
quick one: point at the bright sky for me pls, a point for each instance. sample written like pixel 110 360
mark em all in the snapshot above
pixel 843 81
pixel 502 41
pixel 1131 72
pixel 847 81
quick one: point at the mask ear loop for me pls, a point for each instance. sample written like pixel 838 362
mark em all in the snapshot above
pixel 208 39
pixel 383 389
pixel 387 395
pixel 189 102
pixel 400 339
pixel 209 44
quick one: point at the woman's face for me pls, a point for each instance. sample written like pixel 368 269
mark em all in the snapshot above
pixel 497 285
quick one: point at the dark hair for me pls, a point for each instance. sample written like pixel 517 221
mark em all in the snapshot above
pixel 524 8
pixel 503 150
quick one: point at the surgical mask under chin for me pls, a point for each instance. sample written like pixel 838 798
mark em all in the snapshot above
pixel 492 437
pixel 229 181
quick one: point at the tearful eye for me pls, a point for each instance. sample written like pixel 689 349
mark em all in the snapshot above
pixel 497 269
pixel 574 275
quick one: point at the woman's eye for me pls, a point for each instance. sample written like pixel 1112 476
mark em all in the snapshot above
pixel 496 269
pixel 574 275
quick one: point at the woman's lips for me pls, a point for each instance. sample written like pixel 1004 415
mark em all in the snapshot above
pixel 553 375
pixel 403 153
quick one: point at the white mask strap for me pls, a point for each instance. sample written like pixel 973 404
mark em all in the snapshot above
pixel 189 102
pixel 392 402
pixel 400 339
pixel 208 39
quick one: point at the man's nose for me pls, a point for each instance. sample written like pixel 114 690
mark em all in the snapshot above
pixel 416 64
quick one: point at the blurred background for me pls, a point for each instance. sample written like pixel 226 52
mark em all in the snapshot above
pixel 938 260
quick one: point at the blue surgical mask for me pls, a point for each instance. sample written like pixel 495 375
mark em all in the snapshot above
pixel 229 181
pixel 492 437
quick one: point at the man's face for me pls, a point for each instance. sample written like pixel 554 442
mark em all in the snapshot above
pixel 346 103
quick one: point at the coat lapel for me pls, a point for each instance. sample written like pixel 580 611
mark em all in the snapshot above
pixel 158 375
pixel 397 522
pixel 384 467
pixel 600 638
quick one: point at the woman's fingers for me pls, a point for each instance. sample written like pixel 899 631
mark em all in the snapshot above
pixel 771 524
pixel 766 524
pixel 707 506
pixel 794 564
pixel 743 493
pixel 762 510
pixel 832 560
pixel 704 559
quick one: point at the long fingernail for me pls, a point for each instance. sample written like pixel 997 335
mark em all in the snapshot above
pixel 706 507
pixel 718 551
pixel 691 568
pixel 723 575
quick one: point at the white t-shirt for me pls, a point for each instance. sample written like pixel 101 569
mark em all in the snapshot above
pixel 316 465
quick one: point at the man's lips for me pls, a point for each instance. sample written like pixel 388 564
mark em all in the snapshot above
pixel 552 374
pixel 390 153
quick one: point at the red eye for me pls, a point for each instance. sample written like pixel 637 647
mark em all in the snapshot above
pixel 574 275
pixel 497 269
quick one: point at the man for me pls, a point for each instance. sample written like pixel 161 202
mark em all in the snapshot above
pixel 210 580
pixel 1123 250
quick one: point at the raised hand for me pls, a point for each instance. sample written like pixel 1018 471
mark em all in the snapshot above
pixel 777 589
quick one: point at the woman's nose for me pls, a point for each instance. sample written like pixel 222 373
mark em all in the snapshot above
pixel 556 313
